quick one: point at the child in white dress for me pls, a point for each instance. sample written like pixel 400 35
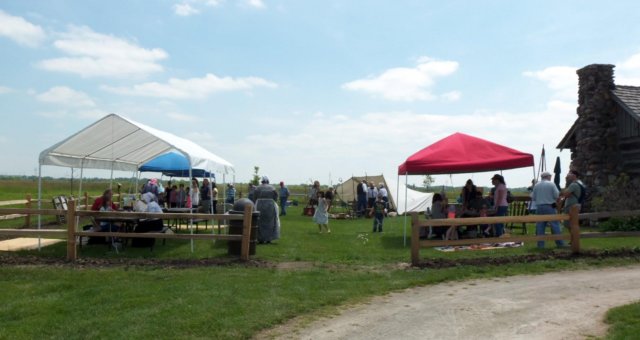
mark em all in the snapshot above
pixel 321 216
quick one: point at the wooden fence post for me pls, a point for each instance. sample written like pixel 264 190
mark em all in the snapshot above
pixel 415 240
pixel 246 232
pixel 72 226
pixel 574 225
pixel 27 218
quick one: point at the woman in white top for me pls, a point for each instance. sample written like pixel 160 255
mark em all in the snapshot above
pixel 195 193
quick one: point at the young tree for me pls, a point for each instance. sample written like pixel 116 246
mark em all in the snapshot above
pixel 256 178
pixel 427 181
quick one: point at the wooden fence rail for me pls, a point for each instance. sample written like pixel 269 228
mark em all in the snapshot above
pixel 28 202
pixel 73 216
pixel 574 229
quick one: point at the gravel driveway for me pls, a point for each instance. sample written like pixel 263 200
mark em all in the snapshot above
pixel 560 305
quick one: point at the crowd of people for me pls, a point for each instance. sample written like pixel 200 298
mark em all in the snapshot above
pixel 545 199
pixel 371 201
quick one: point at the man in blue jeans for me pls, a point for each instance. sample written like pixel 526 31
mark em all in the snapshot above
pixel 545 194
pixel 284 197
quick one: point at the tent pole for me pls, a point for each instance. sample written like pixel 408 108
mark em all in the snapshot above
pixel 211 192
pixel 136 190
pixel 39 199
pixel 81 178
pixel 80 191
pixel 404 236
pixel 354 190
pixel 224 193
pixel 190 191
pixel 111 178
pixel 397 193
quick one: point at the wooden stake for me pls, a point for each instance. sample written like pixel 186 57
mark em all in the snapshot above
pixel 246 232
pixel 71 230
pixel 415 239
pixel 27 218
pixel 574 225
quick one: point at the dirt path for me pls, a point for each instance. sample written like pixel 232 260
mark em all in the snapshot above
pixel 563 305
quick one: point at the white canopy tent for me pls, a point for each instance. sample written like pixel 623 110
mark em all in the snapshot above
pixel 414 200
pixel 118 143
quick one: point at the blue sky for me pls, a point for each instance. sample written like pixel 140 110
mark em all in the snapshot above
pixel 307 89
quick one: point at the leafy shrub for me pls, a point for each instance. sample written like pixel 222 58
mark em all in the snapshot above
pixel 621 224
pixel 618 195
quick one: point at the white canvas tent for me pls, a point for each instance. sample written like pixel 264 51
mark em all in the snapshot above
pixel 415 200
pixel 118 143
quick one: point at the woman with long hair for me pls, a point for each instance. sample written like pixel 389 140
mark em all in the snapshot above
pixel 500 201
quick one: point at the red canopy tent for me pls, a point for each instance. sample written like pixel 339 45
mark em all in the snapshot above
pixel 460 153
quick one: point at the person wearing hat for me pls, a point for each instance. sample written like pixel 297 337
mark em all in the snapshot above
pixel 500 201
pixel 268 221
pixel 151 186
pixel 545 193
pixel 284 197
pixel 231 194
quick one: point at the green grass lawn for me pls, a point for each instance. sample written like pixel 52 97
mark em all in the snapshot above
pixel 624 321
pixel 235 301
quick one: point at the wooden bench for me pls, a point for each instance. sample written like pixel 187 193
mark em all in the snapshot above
pixel 519 207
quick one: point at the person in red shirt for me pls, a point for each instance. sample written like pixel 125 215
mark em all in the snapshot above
pixel 106 198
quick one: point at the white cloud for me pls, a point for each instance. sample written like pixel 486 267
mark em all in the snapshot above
pixel 403 83
pixel 94 54
pixel 66 96
pixel 563 80
pixel 255 4
pixel 181 117
pixel 184 9
pixel 451 96
pixel 4 89
pixel 398 135
pixel 85 114
pixel 20 30
pixel 192 7
pixel 192 88
pixel 628 71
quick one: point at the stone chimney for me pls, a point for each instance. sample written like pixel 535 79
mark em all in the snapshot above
pixel 596 134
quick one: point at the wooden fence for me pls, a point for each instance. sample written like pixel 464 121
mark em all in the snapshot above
pixel 29 201
pixel 73 215
pixel 574 229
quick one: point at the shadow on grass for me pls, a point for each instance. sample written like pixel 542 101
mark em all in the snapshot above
pixel 394 242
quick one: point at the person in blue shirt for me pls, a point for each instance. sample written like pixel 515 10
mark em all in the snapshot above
pixel 283 194
pixel 545 194
pixel 231 194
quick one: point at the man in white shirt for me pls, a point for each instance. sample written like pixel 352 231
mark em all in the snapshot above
pixel 372 194
pixel 383 191
pixel 545 194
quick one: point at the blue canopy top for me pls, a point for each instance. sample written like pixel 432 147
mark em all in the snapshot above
pixel 173 165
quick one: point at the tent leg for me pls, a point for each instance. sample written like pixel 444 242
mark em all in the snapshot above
pixel 404 232
pixel 39 200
